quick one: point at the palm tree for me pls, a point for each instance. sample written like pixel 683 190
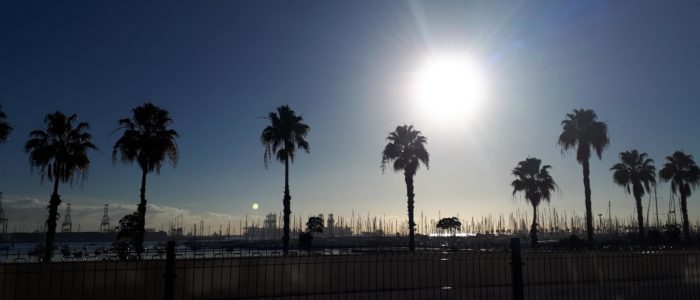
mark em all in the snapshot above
pixel 637 171
pixel 537 185
pixel 147 140
pixel 406 149
pixel 5 127
pixel 59 153
pixel 582 130
pixel 285 134
pixel 684 174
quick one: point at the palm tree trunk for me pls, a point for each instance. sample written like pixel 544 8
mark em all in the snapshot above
pixel 286 203
pixel 142 216
pixel 640 211
pixel 587 191
pixel 684 212
pixel 533 228
pixel 411 224
pixel 51 222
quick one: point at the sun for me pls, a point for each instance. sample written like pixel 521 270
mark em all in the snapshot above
pixel 449 88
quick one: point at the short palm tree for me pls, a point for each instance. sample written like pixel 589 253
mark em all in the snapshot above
pixel 534 181
pixel 582 130
pixel 680 169
pixel 59 153
pixel 281 138
pixel 149 141
pixel 636 173
pixel 406 149
pixel 5 127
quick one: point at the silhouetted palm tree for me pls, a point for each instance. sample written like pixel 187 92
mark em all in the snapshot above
pixel 5 127
pixel 406 149
pixel 59 153
pixel 285 134
pixel 537 185
pixel 637 174
pixel 147 140
pixel 684 174
pixel 582 130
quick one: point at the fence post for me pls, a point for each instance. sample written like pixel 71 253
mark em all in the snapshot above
pixel 170 271
pixel 516 264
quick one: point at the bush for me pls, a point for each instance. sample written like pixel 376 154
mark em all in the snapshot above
pixel 305 239
pixel 655 237
pixel 573 241
pixel 123 250
pixel 672 233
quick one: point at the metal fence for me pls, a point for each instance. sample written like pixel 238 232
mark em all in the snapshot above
pixel 366 274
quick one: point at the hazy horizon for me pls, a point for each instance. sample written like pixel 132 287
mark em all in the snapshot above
pixel 348 68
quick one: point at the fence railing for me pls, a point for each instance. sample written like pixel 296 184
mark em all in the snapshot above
pixel 398 274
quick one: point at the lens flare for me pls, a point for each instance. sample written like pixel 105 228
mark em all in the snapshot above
pixel 449 88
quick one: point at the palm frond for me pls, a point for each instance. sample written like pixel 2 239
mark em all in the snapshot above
pixel 533 180
pixel 582 131
pixel 406 150
pixel 147 139
pixel 60 151
pixel 284 135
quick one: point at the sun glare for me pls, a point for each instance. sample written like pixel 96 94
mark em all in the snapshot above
pixel 449 88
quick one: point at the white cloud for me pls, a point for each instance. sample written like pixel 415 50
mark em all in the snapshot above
pixel 29 213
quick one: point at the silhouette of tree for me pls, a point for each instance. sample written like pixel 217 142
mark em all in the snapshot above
pixel 285 134
pixel 536 183
pixel 680 169
pixel 129 230
pixel 582 130
pixel 59 153
pixel 5 127
pixel 406 149
pixel 315 225
pixel 148 140
pixel 450 224
pixel 637 175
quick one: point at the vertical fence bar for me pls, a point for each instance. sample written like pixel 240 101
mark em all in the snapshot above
pixel 517 267
pixel 170 275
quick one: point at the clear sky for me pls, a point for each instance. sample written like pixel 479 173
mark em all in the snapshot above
pixel 347 66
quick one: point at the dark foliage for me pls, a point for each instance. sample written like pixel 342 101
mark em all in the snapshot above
pixel 149 141
pixel 534 181
pixel 285 134
pixel 406 149
pixel 680 169
pixel 314 225
pixel 59 153
pixel 582 131
pixel 637 174
pixel 5 127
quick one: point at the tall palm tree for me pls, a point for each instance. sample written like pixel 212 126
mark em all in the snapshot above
pixel 680 169
pixel 59 153
pixel 537 185
pixel 636 173
pixel 406 149
pixel 149 141
pixel 285 134
pixel 5 127
pixel 582 130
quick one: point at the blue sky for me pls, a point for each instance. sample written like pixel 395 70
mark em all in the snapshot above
pixel 346 66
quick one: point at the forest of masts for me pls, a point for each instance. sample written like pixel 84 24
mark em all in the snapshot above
pixel 551 223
